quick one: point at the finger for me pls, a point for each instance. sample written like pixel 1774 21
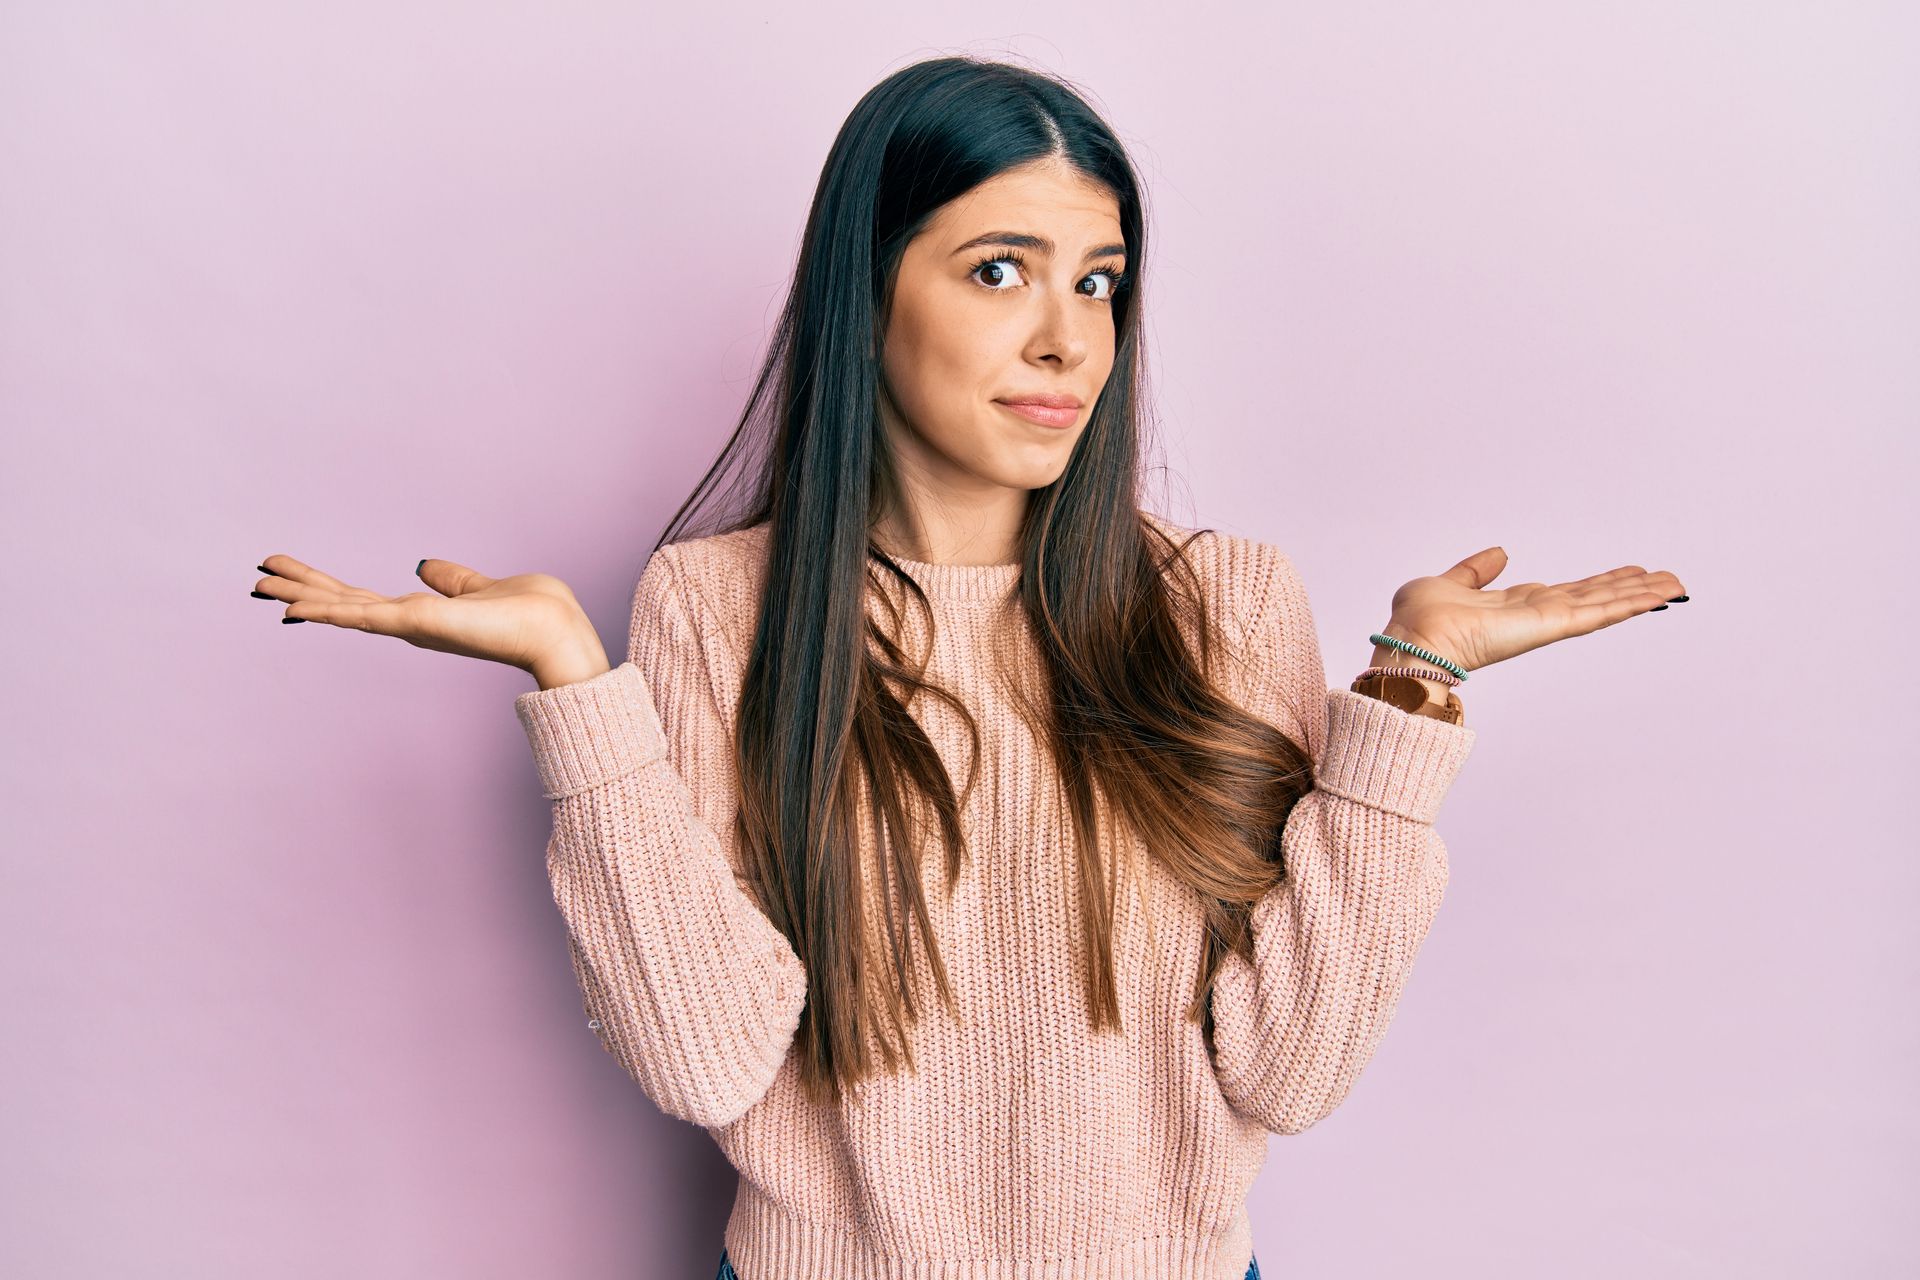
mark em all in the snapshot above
pixel 295 571
pixel 380 617
pixel 285 592
pixel 1595 615
pixel 450 578
pixel 1663 584
pixel 1480 568
pixel 1610 576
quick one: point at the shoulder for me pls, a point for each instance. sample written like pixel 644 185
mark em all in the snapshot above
pixel 1275 668
pixel 709 585
pixel 1250 585
pixel 719 569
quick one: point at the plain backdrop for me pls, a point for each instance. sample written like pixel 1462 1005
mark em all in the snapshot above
pixel 1602 283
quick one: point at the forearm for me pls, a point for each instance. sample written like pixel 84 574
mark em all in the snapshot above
pixel 687 982
pixel 1334 942
pixel 1334 947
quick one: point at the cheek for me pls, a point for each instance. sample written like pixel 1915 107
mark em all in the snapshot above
pixel 941 369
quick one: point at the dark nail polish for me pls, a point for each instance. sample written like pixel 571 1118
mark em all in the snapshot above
pixel 262 568
pixel 1679 599
pixel 303 619
pixel 261 595
pixel 417 568
pixel 1657 608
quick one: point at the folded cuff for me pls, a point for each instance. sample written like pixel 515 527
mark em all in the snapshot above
pixel 1386 758
pixel 591 731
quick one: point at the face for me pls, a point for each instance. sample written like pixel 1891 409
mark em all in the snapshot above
pixel 977 325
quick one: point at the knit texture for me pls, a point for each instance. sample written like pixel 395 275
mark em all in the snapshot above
pixel 1024 1146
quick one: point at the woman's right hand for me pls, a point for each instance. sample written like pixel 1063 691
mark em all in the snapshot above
pixel 530 621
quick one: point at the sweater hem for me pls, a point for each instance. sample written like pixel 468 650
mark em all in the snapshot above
pixel 765 1241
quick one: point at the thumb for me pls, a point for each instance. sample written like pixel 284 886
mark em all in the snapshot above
pixel 1480 568
pixel 449 578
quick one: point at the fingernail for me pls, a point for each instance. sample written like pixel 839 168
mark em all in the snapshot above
pixel 261 595
pixel 1657 608
pixel 303 619
pixel 1679 599
pixel 262 568
pixel 417 568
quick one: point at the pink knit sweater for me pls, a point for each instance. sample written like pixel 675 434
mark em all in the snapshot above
pixel 1024 1145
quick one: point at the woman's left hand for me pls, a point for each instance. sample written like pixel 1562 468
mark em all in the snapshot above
pixel 1456 616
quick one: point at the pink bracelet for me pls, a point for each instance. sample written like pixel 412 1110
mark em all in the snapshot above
pixel 1424 673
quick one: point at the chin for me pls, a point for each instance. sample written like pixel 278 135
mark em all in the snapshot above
pixel 1027 477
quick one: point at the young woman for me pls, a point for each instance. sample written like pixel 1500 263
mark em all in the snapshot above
pixel 983 861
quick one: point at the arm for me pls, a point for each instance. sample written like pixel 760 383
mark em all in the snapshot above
pixel 694 990
pixel 1334 942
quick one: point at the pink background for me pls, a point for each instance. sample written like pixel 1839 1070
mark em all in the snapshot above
pixel 286 993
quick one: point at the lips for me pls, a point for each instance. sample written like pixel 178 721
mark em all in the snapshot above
pixel 1048 408
pixel 1051 400
pixel 1044 414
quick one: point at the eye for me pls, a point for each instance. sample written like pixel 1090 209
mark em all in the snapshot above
pixel 1116 281
pixel 994 262
pixel 1115 275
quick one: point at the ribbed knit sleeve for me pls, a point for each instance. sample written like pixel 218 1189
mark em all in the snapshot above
pixel 689 985
pixel 1334 942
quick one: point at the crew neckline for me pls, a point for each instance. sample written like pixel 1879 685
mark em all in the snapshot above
pixel 962 581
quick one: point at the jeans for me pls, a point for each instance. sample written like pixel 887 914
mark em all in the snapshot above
pixel 728 1273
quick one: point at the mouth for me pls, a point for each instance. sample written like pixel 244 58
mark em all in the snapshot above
pixel 1049 411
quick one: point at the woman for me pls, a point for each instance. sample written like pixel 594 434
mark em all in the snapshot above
pixel 1050 1013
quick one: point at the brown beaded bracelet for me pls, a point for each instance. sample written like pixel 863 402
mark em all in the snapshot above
pixel 1423 673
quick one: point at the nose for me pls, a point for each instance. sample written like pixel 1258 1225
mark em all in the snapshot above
pixel 1059 332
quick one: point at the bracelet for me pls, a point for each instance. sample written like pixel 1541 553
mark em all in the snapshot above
pixel 1414 649
pixel 1412 695
pixel 1421 673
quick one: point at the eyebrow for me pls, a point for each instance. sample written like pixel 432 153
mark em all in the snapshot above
pixel 1039 244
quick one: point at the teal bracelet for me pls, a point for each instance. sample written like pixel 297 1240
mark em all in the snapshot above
pixel 1414 649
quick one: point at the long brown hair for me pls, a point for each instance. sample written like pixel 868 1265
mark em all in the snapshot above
pixel 1130 712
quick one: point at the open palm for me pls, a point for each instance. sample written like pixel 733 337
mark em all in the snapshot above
pixel 518 621
pixel 1457 616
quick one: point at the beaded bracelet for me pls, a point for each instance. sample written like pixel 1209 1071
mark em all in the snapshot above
pixel 1424 673
pixel 1414 649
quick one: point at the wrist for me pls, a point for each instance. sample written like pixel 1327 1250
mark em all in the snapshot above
pixel 1385 655
pixel 580 657
pixel 1438 691
pixel 1440 688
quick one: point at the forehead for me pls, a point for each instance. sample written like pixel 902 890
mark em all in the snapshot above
pixel 1049 200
